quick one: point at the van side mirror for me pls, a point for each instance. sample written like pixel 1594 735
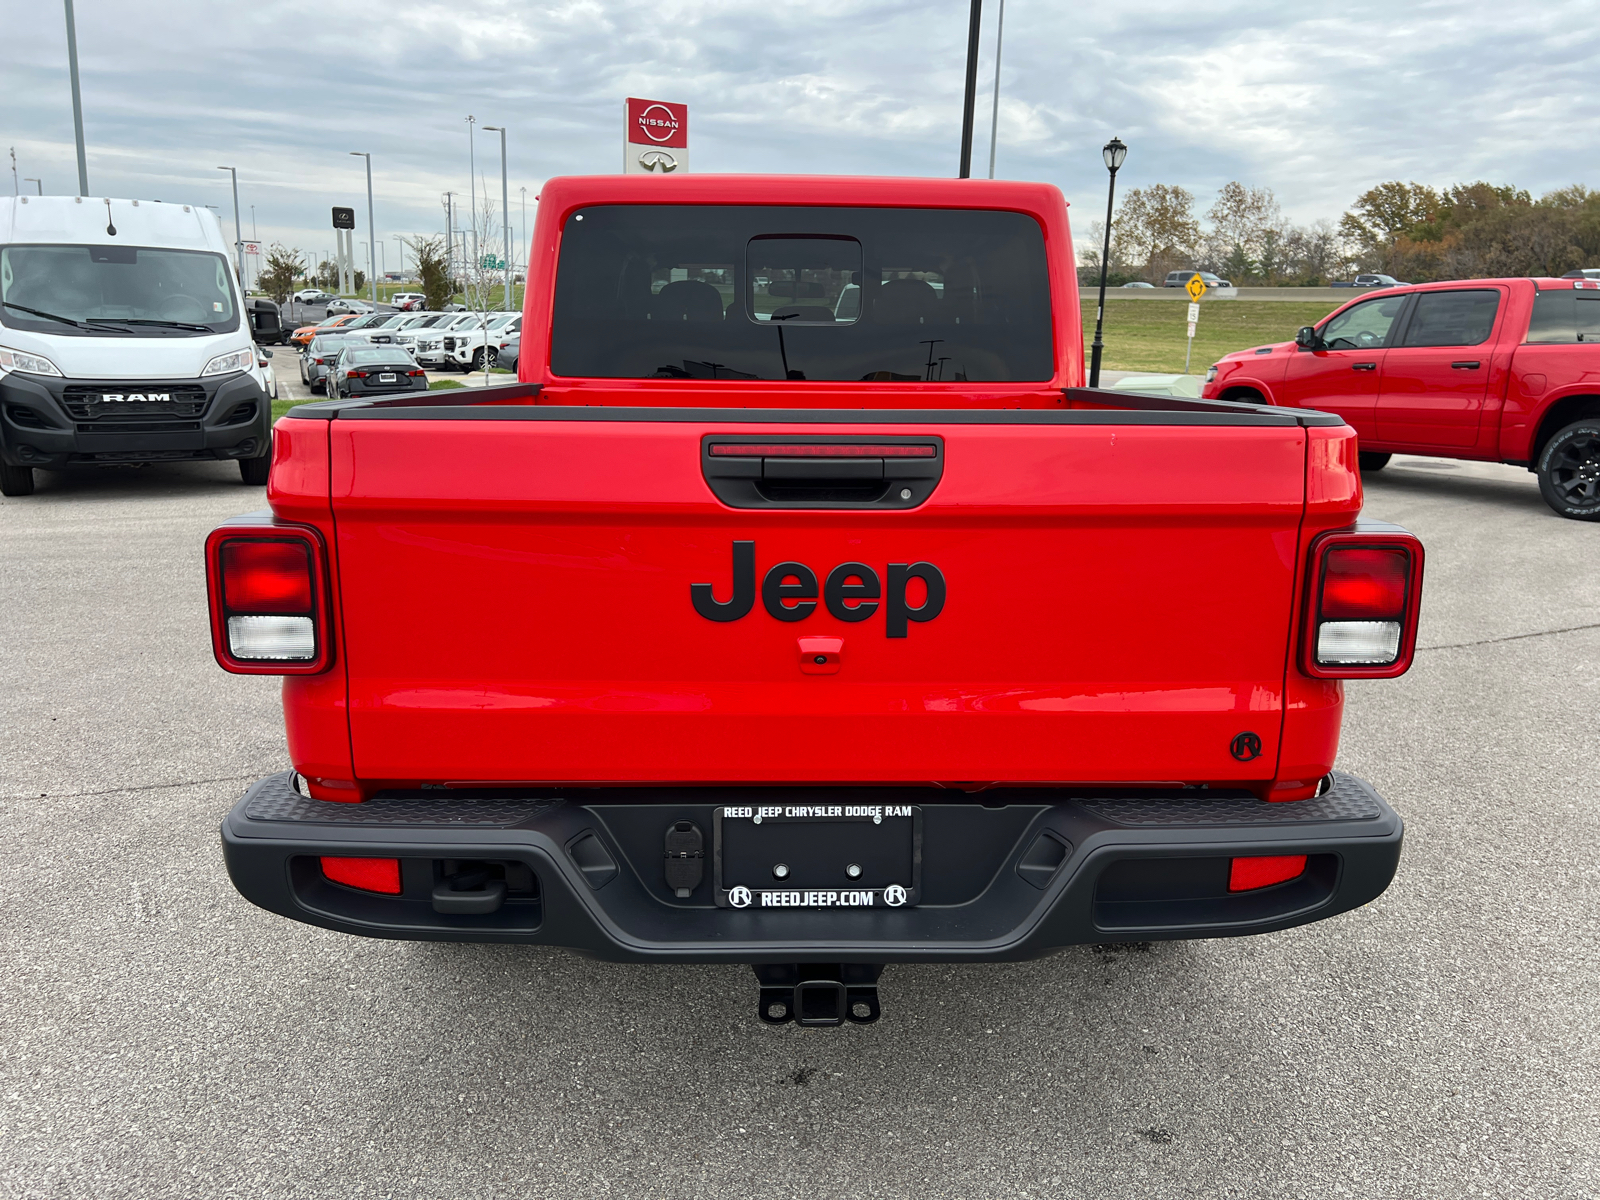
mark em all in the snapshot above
pixel 1307 338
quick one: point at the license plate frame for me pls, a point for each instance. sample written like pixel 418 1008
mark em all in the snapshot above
pixel 388 377
pixel 885 838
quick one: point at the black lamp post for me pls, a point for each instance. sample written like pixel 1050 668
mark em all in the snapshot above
pixel 1114 152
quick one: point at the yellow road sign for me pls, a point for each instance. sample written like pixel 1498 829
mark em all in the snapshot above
pixel 1196 287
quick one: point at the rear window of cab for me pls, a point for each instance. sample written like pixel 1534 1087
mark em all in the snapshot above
pixel 802 293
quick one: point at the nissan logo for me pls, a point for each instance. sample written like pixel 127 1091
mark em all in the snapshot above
pixel 658 160
pixel 649 121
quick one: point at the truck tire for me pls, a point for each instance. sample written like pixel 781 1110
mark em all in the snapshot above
pixel 1371 460
pixel 15 481
pixel 1569 470
pixel 254 471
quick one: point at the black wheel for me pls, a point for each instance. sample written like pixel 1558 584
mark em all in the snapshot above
pixel 15 481
pixel 1371 460
pixel 254 470
pixel 1569 471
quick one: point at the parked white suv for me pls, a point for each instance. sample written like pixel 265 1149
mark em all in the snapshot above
pixel 461 343
pixel 466 345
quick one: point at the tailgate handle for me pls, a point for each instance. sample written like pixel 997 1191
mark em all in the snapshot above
pixel 833 472
pixel 1363 366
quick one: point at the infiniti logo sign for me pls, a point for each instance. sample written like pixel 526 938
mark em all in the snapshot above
pixel 658 160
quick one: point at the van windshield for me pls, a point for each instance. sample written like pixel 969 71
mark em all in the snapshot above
pixel 661 291
pixel 116 291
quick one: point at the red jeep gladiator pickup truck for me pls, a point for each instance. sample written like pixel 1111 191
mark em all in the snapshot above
pixel 1502 370
pixel 799 608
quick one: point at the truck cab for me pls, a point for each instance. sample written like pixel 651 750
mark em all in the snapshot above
pixel 123 339
pixel 1496 370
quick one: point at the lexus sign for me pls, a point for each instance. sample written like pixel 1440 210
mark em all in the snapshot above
pixel 656 138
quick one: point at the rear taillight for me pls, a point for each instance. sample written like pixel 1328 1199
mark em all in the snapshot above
pixel 354 375
pixel 416 372
pixel 268 600
pixel 1363 601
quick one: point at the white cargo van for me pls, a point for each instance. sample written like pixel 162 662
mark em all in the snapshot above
pixel 121 340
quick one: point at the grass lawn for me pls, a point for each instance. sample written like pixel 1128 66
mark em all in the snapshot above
pixel 1148 335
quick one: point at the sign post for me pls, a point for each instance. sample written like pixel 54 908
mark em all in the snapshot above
pixel 344 220
pixel 655 139
pixel 1196 287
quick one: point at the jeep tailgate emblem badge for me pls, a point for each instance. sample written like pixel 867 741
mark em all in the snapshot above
pixel 794 581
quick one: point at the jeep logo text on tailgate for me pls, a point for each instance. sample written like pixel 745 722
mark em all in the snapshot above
pixel 851 592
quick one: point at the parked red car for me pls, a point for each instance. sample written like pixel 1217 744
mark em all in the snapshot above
pixel 752 627
pixel 1501 370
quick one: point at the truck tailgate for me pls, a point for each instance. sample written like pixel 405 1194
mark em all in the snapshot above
pixel 516 599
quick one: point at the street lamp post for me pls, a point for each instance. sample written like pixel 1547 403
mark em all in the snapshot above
pixel 372 236
pixel 36 183
pixel 505 207
pixel 400 238
pixel 524 255
pixel 1113 152
pixel 238 226
pixel 472 173
pixel 994 116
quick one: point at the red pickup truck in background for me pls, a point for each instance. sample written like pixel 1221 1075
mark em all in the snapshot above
pixel 1501 370
pixel 799 608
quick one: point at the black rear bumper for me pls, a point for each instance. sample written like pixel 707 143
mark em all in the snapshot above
pixel 1024 874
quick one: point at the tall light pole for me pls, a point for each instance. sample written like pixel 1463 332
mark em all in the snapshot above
pixel 505 208
pixel 16 188
pixel 77 99
pixel 238 227
pixel 524 256
pixel 974 25
pixel 36 183
pixel 472 175
pixel 994 116
pixel 401 239
pixel 450 238
pixel 1113 152
pixel 372 235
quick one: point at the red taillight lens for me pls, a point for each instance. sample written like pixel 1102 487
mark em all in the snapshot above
pixel 416 372
pixel 1364 584
pixel 368 874
pixel 268 599
pixel 1361 618
pixel 266 576
pixel 1247 874
pixel 353 375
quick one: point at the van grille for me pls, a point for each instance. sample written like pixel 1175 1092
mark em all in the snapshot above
pixel 167 402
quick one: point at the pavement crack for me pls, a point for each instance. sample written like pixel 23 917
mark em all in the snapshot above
pixel 1515 637
pixel 147 787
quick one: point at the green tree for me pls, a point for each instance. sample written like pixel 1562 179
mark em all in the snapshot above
pixel 1385 217
pixel 283 267
pixel 433 271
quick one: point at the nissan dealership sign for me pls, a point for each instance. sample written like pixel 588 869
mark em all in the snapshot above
pixel 656 140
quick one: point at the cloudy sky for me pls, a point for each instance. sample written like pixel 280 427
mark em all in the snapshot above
pixel 1315 101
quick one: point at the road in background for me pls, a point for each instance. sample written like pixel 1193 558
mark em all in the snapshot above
pixel 165 1038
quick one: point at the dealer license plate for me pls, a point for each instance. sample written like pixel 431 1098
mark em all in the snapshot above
pixel 782 856
pixel 386 377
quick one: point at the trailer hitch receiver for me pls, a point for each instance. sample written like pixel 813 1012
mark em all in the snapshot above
pixel 818 994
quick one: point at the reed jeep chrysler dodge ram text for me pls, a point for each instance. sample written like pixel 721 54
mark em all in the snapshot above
pixel 799 608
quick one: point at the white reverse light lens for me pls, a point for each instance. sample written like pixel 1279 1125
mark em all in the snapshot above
pixel 1370 643
pixel 272 638
pixel 32 364
pixel 1211 374
pixel 236 360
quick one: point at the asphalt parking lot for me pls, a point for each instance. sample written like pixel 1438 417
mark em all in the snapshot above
pixel 164 1038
